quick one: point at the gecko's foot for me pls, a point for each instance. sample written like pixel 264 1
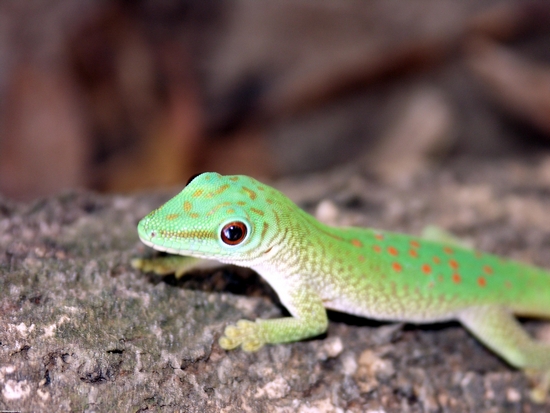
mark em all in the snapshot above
pixel 170 264
pixel 541 381
pixel 245 333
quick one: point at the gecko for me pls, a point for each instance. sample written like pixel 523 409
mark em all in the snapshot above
pixel 365 272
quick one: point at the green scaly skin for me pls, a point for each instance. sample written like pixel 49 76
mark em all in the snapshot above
pixel 365 272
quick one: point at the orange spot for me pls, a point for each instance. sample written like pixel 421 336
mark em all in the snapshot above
pixel 221 189
pixel 487 269
pixel 230 211
pixel 187 206
pixel 257 211
pixel 453 264
pixel 264 231
pixel 456 278
pixel 356 243
pixel 250 193
pixel 436 260
pixel 448 250
pixel 171 217
pixel 361 258
pixel 478 254
pixel 269 201
pixel 241 203
pixel 379 237
pixel 482 281
pixel 234 178
pixel 377 248
pixel 426 269
pixel 392 251
pixel 415 244
pixel 431 284
pixel 413 253
pixel 397 267
pixel 194 215
pixel 197 193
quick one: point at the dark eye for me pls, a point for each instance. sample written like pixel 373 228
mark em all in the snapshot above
pixel 234 233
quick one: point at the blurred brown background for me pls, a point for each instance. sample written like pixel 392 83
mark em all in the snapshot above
pixel 120 95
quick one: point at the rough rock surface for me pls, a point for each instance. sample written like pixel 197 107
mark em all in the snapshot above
pixel 80 330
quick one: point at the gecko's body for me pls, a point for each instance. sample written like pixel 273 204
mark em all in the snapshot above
pixel 370 273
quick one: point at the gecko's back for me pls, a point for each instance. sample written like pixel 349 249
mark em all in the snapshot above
pixel 390 272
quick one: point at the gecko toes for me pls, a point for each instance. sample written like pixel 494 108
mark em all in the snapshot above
pixel 541 380
pixel 245 334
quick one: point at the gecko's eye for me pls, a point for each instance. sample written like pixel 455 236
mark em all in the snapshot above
pixel 233 233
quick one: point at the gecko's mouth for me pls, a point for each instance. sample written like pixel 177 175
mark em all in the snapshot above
pixel 160 247
pixel 146 241
pixel 147 236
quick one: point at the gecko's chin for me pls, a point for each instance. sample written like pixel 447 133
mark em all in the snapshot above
pixel 147 242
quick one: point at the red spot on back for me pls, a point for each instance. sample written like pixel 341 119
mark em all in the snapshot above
pixel 448 250
pixel 426 269
pixel 436 260
pixel 392 251
pixel 379 237
pixel 397 267
pixel 487 269
pixel 415 244
pixel 377 248
pixel 453 264
pixel 413 253
pixel 356 243
pixel 456 278
pixel 482 282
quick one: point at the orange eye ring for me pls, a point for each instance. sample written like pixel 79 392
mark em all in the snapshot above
pixel 234 233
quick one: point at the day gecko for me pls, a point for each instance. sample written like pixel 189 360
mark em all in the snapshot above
pixel 365 272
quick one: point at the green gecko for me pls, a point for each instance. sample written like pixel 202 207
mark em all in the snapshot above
pixel 364 272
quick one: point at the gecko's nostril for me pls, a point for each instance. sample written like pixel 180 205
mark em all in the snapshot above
pixel 152 234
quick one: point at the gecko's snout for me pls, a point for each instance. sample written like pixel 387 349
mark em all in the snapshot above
pixel 145 233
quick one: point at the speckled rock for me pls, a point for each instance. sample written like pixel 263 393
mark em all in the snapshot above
pixel 80 330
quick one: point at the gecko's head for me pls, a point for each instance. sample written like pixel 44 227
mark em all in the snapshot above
pixel 226 218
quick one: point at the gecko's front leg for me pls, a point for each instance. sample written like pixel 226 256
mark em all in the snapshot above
pixel 309 319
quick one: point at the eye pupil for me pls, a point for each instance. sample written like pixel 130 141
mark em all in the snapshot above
pixel 234 233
